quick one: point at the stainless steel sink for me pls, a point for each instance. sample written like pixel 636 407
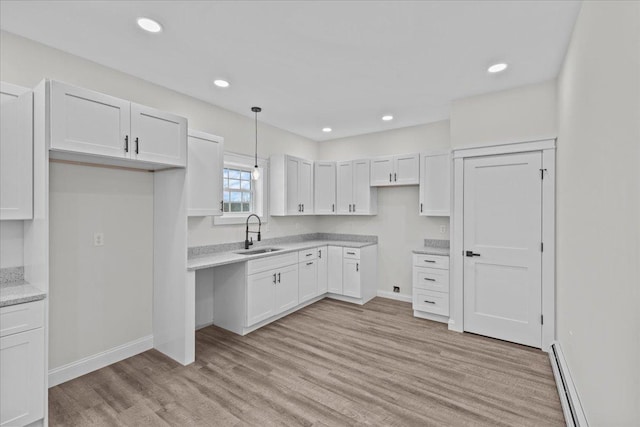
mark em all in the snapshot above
pixel 258 251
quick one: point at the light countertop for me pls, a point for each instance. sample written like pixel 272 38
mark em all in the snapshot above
pixel 229 257
pixel 430 250
pixel 19 292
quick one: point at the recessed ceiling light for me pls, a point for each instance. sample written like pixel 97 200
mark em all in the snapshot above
pixel 496 68
pixel 387 118
pixel 326 129
pixel 149 25
pixel 221 83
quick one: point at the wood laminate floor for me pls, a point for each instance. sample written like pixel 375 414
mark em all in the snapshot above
pixel 329 364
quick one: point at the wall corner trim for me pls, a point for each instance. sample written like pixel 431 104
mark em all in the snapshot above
pixel 571 406
pixel 100 360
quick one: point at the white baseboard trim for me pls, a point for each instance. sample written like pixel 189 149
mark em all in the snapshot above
pixel 574 414
pixel 430 316
pixel 395 296
pixel 91 363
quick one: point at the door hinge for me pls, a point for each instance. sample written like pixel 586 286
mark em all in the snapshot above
pixel 541 246
pixel 542 319
pixel 542 171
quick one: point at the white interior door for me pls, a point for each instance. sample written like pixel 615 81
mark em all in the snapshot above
pixel 502 235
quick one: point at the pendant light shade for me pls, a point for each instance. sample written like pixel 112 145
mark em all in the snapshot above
pixel 256 172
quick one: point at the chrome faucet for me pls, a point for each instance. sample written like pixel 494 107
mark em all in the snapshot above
pixel 248 242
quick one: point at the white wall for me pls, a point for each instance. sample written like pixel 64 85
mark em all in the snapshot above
pixel 598 211
pixel 526 113
pixel 100 296
pixel 398 226
pixel 11 244
pixel 88 289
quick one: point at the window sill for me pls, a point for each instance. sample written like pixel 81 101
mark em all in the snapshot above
pixel 234 219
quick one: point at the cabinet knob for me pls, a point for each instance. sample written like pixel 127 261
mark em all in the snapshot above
pixel 420 207
pixel 357 266
pixel 395 176
pixel 137 144
pixel 126 143
pixel 274 278
pixel 389 177
pixel 279 281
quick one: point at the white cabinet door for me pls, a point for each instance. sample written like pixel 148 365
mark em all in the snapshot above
pixel 435 188
pixel 351 278
pixel 323 258
pixel 361 187
pixel 204 174
pixel 308 280
pixel 158 137
pixel 261 296
pixel 382 169
pixel 22 382
pixel 16 156
pixel 406 169
pixel 344 187
pixel 293 174
pixel 334 261
pixel 85 121
pixel 287 288
pixel 325 188
pixel 305 186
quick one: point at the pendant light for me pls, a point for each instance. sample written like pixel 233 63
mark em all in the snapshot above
pixel 256 172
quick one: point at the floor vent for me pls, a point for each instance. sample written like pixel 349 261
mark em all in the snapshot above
pixel 571 406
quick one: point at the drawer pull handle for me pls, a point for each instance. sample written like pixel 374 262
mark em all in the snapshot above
pixel 351 253
pixel 310 263
pixel 308 254
pixel 430 279
pixel 429 260
pixel 429 302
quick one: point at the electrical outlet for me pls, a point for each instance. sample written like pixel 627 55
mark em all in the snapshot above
pixel 443 229
pixel 98 239
pixel 396 289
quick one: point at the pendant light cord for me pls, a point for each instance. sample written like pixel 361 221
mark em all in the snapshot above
pixel 256 115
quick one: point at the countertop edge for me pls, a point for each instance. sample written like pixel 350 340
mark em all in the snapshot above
pixel 300 246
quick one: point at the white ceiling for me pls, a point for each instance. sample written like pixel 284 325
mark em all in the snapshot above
pixel 314 64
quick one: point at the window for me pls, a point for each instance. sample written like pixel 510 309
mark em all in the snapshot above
pixel 238 191
pixel 241 195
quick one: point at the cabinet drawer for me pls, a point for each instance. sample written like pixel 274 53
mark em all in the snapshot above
pixel 351 253
pixel 271 262
pixel 432 261
pixel 431 279
pixel 308 255
pixel 431 302
pixel 21 317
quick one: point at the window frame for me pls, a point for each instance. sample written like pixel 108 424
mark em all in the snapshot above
pixel 228 189
pixel 259 189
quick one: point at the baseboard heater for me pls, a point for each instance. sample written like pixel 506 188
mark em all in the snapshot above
pixel 571 406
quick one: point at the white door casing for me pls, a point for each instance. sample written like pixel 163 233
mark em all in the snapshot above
pixel 502 247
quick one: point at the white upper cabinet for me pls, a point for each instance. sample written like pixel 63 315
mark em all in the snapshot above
pixel 291 183
pixel 395 170
pixel 435 187
pixel 325 188
pixel 88 122
pixel 354 194
pixel 204 174
pixel 84 121
pixel 158 137
pixel 16 153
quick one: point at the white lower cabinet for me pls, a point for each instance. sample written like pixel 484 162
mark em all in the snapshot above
pixel 22 364
pixel 271 292
pixel 431 286
pixel 247 296
pixel 323 270
pixel 351 278
pixel 334 273
pixel 308 280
